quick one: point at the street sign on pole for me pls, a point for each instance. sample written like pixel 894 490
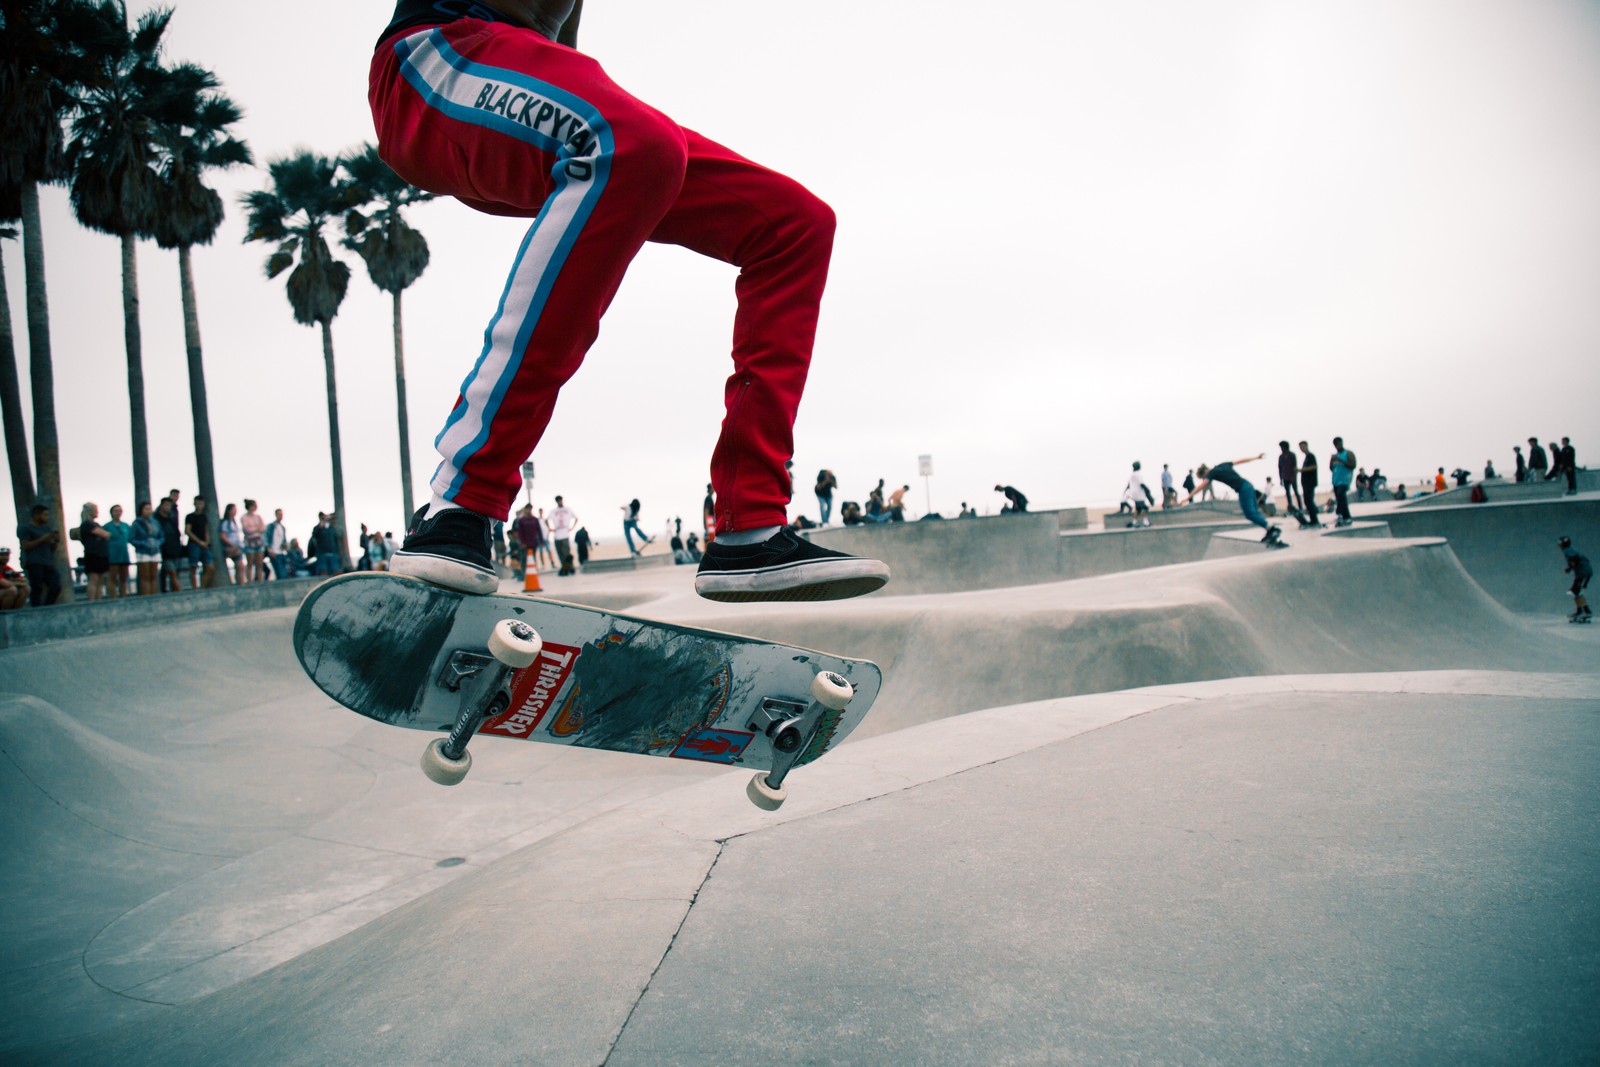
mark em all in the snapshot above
pixel 527 480
pixel 925 468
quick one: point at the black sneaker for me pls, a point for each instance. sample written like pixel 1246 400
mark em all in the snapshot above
pixel 784 567
pixel 453 550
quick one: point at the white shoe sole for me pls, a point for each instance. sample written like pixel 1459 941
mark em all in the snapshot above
pixel 812 580
pixel 442 570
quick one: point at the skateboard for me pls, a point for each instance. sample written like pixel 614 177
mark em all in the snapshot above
pixel 407 653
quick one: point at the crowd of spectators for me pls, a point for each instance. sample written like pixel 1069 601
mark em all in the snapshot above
pixel 159 553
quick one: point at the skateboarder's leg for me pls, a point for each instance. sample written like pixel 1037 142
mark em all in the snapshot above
pixel 1252 510
pixel 1341 498
pixel 514 125
pixel 780 236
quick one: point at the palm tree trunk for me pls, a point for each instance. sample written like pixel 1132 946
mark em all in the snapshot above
pixel 339 525
pixel 203 457
pixel 400 403
pixel 11 409
pixel 134 344
pixel 41 372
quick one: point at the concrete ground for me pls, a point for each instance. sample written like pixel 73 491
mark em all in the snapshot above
pixel 1328 804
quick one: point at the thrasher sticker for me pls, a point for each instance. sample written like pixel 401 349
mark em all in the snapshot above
pixel 534 691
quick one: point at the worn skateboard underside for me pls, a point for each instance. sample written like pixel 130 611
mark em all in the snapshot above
pixel 380 644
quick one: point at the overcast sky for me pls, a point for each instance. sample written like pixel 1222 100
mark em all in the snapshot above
pixel 1077 235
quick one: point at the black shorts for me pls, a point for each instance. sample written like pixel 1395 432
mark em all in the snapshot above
pixel 1580 581
pixel 97 564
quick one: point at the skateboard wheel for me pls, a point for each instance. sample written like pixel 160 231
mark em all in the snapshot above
pixel 763 795
pixel 514 643
pixel 831 690
pixel 441 768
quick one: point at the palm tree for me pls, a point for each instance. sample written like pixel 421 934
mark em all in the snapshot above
pixel 111 160
pixel 307 194
pixel 395 254
pixel 45 58
pixel 11 400
pixel 191 140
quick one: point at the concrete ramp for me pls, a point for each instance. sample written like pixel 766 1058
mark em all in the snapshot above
pixel 1357 868
pixel 1510 547
pixel 956 555
pixel 1327 604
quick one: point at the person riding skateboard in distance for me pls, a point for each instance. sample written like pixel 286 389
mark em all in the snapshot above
pixel 1582 570
pixel 487 102
pixel 1224 473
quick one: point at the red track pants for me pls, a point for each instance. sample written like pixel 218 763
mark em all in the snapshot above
pixel 513 124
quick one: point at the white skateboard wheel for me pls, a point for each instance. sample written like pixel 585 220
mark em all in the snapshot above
pixel 831 690
pixel 514 643
pixel 441 768
pixel 763 795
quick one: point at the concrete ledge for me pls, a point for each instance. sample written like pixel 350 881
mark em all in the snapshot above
pixel 1184 515
pixel 1359 529
pixel 62 622
pixel 627 563
pixel 1090 554
pixel 1245 541
pixel 956 555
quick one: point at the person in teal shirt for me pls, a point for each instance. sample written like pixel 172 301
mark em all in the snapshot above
pixel 118 547
pixel 1342 466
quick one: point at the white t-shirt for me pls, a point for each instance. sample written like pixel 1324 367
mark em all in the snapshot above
pixel 562 522
pixel 1134 493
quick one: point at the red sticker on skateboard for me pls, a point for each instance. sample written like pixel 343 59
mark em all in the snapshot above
pixel 534 692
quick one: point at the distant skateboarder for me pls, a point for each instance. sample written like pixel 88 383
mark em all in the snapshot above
pixel 1224 473
pixel 1017 502
pixel 1579 567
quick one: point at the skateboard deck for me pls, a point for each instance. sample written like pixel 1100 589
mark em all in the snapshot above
pixel 410 654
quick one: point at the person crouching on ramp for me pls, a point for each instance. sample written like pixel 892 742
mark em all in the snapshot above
pixel 1226 475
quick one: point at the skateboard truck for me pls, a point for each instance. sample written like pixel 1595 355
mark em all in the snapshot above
pixel 785 723
pixel 513 646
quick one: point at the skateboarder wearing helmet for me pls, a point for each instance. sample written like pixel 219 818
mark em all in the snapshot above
pixel 487 102
pixel 1579 567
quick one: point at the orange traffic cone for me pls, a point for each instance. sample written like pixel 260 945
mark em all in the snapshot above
pixel 530 574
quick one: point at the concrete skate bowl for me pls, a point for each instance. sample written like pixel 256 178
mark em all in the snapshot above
pixel 106 729
pixel 159 776
pixel 1509 547
pixel 1353 605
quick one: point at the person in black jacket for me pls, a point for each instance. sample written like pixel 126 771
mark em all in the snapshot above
pixel 1537 463
pixel 1566 462
pixel 324 545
